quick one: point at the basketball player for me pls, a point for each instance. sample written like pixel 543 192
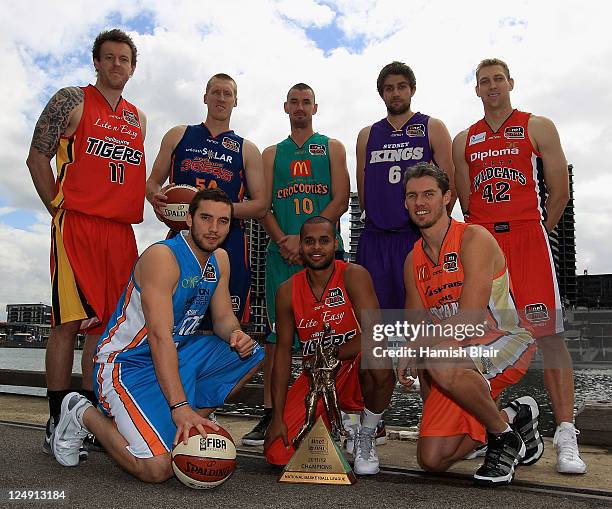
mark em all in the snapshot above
pixel 384 151
pixel 210 155
pixel 157 373
pixel 97 138
pixel 457 275
pixel 308 176
pixel 512 179
pixel 330 292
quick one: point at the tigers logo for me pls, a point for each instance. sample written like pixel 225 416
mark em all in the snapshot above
pixel 230 144
pixel 536 312
pixel 423 273
pixel 415 130
pixel 516 132
pixel 300 168
pixel 317 150
pixel 335 297
pixel 210 274
pixel 131 118
pixel 450 262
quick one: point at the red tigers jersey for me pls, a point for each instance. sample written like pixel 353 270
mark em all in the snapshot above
pixel 506 182
pixel 334 308
pixel 101 168
pixel 440 284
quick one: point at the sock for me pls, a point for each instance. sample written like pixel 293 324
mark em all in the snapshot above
pixel 510 413
pixel 508 428
pixel 370 419
pixel 55 403
pixel 90 395
pixel 565 424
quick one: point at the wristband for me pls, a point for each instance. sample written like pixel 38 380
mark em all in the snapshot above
pixel 178 405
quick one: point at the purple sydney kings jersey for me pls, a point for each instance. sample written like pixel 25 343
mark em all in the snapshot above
pixel 388 154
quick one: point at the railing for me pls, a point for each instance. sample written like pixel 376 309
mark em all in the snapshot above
pixel 249 394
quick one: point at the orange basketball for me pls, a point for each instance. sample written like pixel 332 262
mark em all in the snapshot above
pixel 205 462
pixel 177 206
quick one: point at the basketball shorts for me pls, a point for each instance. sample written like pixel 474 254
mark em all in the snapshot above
pixel 129 392
pixel 237 249
pixel 442 417
pixel 383 254
pixel 532 272
pixel 277 272
pixel 349 397
pixel 91 261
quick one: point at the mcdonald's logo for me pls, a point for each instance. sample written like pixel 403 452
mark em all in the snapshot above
pixel 423 273
pixel 300 168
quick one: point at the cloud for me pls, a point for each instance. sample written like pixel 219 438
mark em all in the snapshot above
pixel 306 13
pixel 266 47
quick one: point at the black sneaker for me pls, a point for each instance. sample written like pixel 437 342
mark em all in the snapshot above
pixel 93 444
pixel 478 452
pixel 46 447
pixel 504 451
pixel 526 423
pixel 258 434
pixel 49 428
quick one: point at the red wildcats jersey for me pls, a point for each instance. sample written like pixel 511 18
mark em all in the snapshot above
pixel 101 168
pixel 334 308
pixel 506 182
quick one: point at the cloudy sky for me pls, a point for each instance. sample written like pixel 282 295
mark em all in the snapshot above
pixel 556 52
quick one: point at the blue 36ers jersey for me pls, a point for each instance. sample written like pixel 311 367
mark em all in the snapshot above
pixel 125 336
pixel 388 153
pixel 204 161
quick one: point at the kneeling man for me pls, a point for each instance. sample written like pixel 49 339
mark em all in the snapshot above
pixel 157 374
pixel 458 277
pixel 328 292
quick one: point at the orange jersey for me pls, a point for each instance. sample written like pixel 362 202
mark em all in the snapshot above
pixel 440 284
pixel 101 168
pixel 506 182
pixel 334 308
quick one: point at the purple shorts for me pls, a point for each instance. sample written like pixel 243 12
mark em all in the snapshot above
pixel 383 254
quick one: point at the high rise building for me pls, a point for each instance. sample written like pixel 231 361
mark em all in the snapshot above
pixel 356 226
pixel 258 242
pixel 563 245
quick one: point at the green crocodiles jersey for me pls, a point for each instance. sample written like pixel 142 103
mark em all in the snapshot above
pixel 302 183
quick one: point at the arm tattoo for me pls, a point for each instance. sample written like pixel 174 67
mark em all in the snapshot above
pixel 54 120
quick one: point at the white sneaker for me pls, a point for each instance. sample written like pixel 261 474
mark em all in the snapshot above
pixel 213 418
pixel 366 459
pixel 352 423
pixel 568 456
pixel 68 436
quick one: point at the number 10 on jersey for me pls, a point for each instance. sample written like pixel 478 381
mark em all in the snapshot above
pixel 304 205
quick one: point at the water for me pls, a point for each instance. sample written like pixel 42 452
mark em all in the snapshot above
pixel 405 408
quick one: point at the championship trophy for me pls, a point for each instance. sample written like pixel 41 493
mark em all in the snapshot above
pixel 318 459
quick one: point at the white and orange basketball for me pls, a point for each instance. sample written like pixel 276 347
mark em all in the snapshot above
pixel 177 205
pixel 205 462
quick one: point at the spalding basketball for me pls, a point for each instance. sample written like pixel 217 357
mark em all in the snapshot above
pixel 177 206
pixel 205 462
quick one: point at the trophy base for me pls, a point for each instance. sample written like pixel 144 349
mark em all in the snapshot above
pixel 317 478
pixel 318 460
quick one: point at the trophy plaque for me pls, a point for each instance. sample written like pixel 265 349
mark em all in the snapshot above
pixel 318 459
